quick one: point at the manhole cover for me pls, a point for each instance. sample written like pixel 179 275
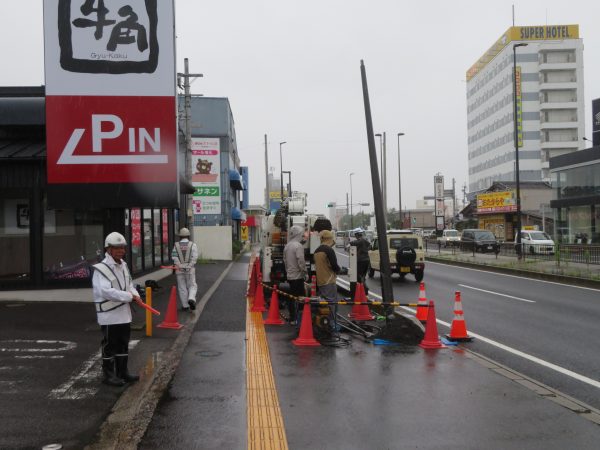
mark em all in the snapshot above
pixel 208 353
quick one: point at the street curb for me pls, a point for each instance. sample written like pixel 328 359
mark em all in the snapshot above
pixel 129 418
pixel 575 281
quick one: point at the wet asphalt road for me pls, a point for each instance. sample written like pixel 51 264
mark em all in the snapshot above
pixel 555 323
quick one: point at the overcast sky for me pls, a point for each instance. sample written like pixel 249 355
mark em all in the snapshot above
pixel 291 70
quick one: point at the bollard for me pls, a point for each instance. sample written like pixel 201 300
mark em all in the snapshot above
pixel 148 313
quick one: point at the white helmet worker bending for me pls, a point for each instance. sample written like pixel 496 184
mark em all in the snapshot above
pixel 114 239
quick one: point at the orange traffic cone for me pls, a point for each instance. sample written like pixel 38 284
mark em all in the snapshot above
pixel 171 317
pixel 305 337
pixel 431 339
pixel 257 267
pixel 458 329
pixel 360 312
pixel 259 297
pixel 422 309
pixel 252 284
pixel 274 318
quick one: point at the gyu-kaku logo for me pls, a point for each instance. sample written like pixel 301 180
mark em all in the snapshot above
pixel 108 36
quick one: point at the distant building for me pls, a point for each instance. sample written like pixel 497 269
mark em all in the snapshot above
pixel 550 103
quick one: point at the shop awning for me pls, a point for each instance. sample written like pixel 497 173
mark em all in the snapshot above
pixel 237 214
pixel 235 180
pixel 250 221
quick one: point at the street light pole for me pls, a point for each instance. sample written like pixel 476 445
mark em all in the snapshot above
pixel 519 249
pixel 351 201
pixel 399 184
pixel 281 172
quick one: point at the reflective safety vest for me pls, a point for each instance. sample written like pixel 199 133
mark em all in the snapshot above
pixel 107 272
pixel 184 258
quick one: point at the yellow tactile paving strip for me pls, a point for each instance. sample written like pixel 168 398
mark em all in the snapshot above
pixel 265 422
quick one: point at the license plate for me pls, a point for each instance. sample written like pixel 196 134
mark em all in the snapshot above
pixel 489 247
pixel 404 269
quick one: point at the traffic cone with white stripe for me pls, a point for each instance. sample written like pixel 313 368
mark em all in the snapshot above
pixel 422 304
pixel 458 329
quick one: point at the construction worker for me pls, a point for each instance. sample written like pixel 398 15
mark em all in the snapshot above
pixel 295 267
pixel 362 259
pixel 185 255
pixel 113 291
pixel 326 266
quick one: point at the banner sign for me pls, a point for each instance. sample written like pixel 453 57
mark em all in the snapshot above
pixel 494 202
pixel 111 130
pixel 206 175
pixel 136 227
pixel 519 107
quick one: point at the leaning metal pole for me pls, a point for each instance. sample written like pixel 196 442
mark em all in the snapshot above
pixel 385 271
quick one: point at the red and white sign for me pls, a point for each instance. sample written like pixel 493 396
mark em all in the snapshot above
pixel 165 226
pixel 136 227
pixel 90 146
pixel 110 93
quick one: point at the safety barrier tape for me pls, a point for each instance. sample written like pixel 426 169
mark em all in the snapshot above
pixel 319 301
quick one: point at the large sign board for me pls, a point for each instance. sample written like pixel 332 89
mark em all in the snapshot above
pixel 495 202
pixel 206 175
pixel 438 188
pixel 110 103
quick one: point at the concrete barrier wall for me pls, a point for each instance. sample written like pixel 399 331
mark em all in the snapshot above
pixel 214 242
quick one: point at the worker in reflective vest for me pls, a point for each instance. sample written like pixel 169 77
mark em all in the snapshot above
pixel 113 291
pixel 185 255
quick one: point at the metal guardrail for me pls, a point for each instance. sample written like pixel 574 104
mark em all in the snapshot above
pixel 559 253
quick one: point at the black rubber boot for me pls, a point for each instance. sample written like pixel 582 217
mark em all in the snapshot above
pixel 110 375
pixel 122 371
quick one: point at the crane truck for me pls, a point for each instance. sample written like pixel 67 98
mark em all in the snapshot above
pixel 293 211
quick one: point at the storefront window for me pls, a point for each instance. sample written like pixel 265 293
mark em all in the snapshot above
pixel 580 224
pixel 14 237
pixel 147 237
pixel 73 240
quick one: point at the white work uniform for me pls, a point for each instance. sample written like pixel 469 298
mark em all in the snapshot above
pixel 185 255
pixel 112 299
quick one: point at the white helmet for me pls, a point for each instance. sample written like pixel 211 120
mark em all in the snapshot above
pixel 114 239
pixel 357 231
pixel 184 232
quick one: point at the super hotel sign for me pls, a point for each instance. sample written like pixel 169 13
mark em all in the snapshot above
pixel 111 130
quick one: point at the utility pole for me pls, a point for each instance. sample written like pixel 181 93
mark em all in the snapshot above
pixel 384 178
pixel 453 202
pixel 186 219
pixel 267 187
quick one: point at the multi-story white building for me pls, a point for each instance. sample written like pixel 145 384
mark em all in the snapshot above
pixel 550 103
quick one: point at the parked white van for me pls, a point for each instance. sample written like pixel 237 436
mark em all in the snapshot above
pixel 449 237
pixel 536 242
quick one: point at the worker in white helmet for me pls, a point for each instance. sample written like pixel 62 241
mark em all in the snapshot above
pixel 113 291
pixel 185 255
